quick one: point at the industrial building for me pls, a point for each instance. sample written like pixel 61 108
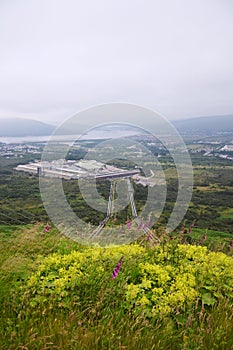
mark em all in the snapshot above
pixel 71 169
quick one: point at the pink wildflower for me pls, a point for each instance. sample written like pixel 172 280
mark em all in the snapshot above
pixel 129 224
pixel 190 228
pixel 230 245
pixel 182 229
pixel 148 237
pixel 47 228
pixel 203 238
pixel 148 221
pixel 147 224
pixel 140 226
pixel 117 269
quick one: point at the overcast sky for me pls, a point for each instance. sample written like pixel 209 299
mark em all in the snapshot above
pixel 60 56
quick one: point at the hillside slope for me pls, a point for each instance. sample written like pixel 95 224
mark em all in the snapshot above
pixel 222 123
pixel 16 127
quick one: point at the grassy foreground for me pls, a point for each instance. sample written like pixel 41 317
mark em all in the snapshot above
pixel 56 294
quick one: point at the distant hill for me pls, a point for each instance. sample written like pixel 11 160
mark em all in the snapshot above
pixel 221 123
pixel 17 127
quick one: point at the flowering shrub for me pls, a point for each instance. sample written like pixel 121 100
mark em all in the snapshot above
pixel 178 277
pixel 157 281
pixel 59 275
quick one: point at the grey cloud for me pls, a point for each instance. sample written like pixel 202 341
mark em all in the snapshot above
pixel 57 57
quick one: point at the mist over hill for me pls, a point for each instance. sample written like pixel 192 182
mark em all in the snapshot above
pixel 17 127
pixel 221 123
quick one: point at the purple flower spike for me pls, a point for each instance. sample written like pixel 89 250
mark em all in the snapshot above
pixel 182 229
pixel 147 224
pixel 191 228
pixel 47 228
pixel 203 238
pixel 230 245
pixel 117 269
pixel 140 226
pixel 129 224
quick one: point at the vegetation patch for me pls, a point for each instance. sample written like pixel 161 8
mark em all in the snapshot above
pixel 160 281
pixel 58 294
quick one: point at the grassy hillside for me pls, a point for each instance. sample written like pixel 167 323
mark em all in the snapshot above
pixel 56 294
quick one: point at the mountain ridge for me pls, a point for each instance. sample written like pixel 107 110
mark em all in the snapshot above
pixel 217 123
pixel 19 127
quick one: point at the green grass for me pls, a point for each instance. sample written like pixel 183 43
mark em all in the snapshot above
pixel 19 250
pixel 215 240
pixel 96 316
pixel 226 213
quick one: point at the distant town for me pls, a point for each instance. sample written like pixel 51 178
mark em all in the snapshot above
pixel 221 147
